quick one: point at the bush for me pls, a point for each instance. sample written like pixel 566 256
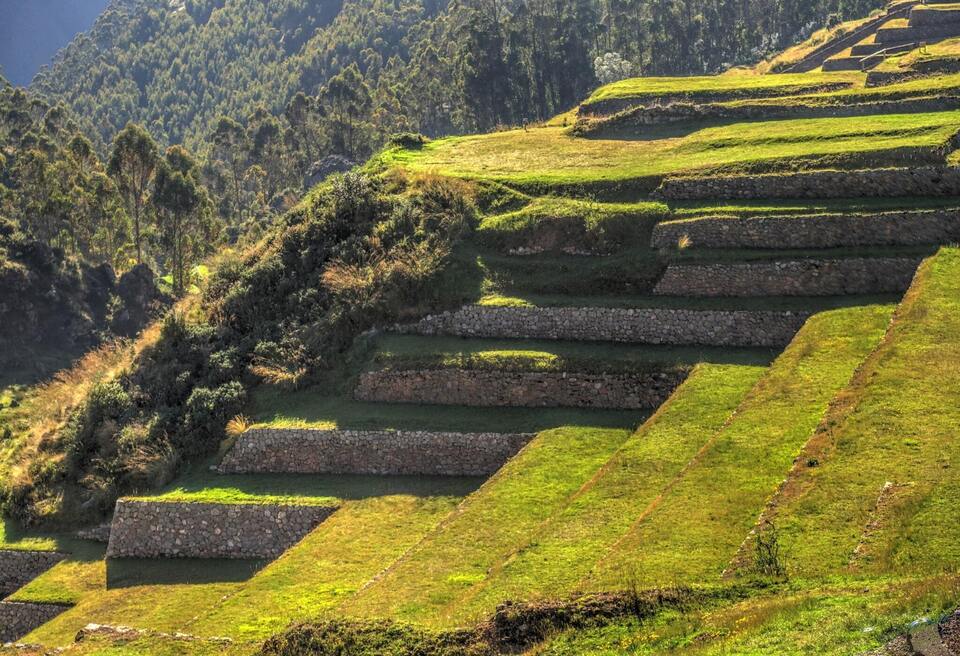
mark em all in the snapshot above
pixel 408 140
pixel 350 257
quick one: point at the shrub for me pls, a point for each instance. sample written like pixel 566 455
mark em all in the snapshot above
pixel 768 556
pixel 351 256
pixel 408 140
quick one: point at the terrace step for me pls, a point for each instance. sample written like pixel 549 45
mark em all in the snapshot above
pixel 864 183
pixel 820 54
pixel 790 278
pixel 900 32
pixel 175 529
pixel 905 228
pixel 17 568
pixel 922 15
pixel 843 62
pixel 727 328
pixel 19 619
pixel 424 453
pixel 527 389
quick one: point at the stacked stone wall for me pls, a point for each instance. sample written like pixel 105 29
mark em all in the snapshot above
pixel 306 451
pixel 917 33
pixel 18 619
pixel 813 231
pixel 680 327
pixel 790 278
pixel 150 529
pixel 17 568
pixel 482 388
pixel 914 181
pixel 640 117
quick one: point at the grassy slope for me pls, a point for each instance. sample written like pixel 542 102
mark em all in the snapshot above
pixel 838 619
pixel 643 88
pixel 693 529
pixel 231 598
pixel 552 156
pixel 562 550
pixel 488 526
pixel 897 423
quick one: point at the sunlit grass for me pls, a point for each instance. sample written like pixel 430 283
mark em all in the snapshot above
pixel 550 156
pixel 718 87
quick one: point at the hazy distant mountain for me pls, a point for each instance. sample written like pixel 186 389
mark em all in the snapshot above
pixel 31 32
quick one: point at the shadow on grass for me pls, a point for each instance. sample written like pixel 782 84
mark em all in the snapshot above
pixel 211 487
pixel 675 130
pixel 318 408
pixel 133 572
pixel 15 537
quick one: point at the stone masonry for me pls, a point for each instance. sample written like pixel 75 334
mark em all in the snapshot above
pixel 633 326
pixel 17 619
pixel 893 182
pixel 17 568
pixel 153 529
pixel 790 278
pixel 311 451
pixel 482 388
pixel 813 231
pixel 643 116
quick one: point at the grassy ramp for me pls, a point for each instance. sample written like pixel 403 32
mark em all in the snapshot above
pixel 695 525
pixel 876 489
pixel 563 549
pixel 489 525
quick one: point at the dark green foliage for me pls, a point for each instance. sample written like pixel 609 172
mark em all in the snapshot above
pixel 383 638
pixel 408 140
pixel 56 307
pixel 513 628
pixel 358 253
pixel 307 78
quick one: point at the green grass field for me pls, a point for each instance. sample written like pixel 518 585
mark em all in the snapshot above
pixel 895 424
pixel 610 500
pixel 693 530
pixel 645 89
pixel 550 158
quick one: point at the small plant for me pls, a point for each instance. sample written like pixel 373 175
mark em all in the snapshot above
pixel 684 243
pixel 768 553
pixel 237 426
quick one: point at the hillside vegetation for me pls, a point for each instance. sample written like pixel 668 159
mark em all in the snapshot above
pixel 714 319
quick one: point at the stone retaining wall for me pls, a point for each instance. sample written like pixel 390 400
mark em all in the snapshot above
pixel 306 451
pixel 18 619
pixel 792 278
pixel 613 105
pixel 634 326
pixel 482 388
pixel 151 529
pixel 813 231
pixel 914 181
pixel 640 117
pixel 17 568
pixel 916 33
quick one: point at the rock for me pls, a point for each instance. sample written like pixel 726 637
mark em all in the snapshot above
pixel 324 168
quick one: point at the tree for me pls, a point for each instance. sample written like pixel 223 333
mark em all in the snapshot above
pixel 179 199
pixel 133 163
pixel 347 98
pixel 231 147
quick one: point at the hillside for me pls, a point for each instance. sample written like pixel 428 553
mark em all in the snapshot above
pixel 427 66
pixel 673 372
